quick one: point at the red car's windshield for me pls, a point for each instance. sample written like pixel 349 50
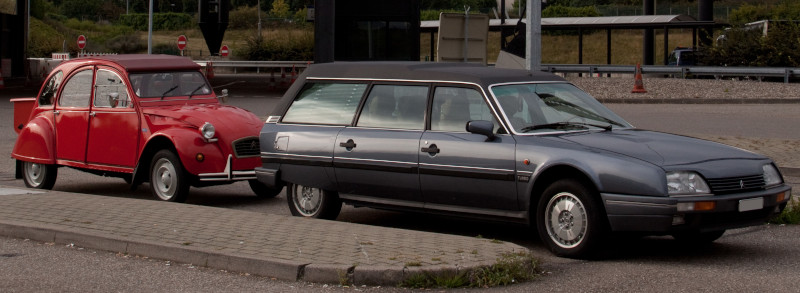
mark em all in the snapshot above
pixel 169 84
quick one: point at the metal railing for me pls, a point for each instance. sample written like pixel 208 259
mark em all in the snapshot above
pixel 258 65
pixel 679 71
pixel 683 71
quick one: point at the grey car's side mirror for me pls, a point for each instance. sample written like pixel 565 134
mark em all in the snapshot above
pixel 482 127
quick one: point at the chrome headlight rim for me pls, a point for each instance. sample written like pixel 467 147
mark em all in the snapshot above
pixel 686 183
pixel 772 177
pixel 208 131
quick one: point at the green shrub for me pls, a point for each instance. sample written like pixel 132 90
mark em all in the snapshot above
pixel 790 215
pixel 286 45
pixel 161 21
pixel 43 39
pixel 245 17
pixel 743 47
pixel 126 44
pixel 564 11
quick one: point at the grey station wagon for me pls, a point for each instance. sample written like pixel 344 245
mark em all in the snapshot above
pixel 499 144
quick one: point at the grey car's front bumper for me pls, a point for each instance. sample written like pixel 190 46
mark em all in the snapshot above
pixel 661 214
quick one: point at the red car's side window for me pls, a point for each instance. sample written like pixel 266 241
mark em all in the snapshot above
pixel 110 91
pixel 50 89
pixel 77 91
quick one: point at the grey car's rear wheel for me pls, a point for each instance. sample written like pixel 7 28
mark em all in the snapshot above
pixel 570 219
pixel 311 202
pixel 168 180
pixel 41 176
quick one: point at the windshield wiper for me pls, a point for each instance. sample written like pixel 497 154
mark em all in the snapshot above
pixel 197 89
pixel 559 125
pixel 169 90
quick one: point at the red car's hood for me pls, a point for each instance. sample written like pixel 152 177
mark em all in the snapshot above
pixel 226 119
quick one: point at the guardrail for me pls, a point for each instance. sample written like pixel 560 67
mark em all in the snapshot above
pixel 683 71
pixel 258 65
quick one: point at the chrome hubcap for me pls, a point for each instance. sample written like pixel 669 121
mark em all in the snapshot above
pixel 34 173
pixel 164 180
pixel 566 220
pixel 307 200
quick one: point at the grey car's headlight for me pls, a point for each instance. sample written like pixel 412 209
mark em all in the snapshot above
pixel 208 131
pixel 771 175
pixel 686 183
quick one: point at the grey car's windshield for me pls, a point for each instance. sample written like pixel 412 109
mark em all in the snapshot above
pixel 547 107
pixel 169 84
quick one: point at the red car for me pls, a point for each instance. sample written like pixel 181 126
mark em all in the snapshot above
pixel 144 118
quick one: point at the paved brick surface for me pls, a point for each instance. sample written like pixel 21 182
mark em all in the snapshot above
pixel 271 245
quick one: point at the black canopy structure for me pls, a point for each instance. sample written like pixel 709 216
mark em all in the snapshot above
pixel 609 23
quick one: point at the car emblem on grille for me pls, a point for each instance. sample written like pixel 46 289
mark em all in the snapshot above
pixel 741 184
pixel 253 144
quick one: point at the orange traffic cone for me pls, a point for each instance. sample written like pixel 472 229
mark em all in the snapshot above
pixel 272 80
pixel 638 84
pixel 283 78
pixel 209 70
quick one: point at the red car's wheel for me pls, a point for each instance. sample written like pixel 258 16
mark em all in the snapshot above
pixel 41 176
pixel 168 180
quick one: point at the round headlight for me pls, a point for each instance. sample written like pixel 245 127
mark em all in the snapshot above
pixel 771 175
pixel 208 131
pixel 686 183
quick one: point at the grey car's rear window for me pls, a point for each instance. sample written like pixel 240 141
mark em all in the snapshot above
pixel 325 103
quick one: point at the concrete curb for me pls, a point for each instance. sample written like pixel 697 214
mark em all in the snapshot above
pixel 25 221
pixel 281 269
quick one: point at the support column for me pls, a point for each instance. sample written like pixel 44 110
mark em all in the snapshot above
pixel 648 44
pixel 533 38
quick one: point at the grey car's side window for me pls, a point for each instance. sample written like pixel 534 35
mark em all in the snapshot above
pixel 395 106
pixel 453 107
pixel 325 103
pixel 78 90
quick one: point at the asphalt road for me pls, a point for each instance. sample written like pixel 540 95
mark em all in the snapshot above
pixel 754 259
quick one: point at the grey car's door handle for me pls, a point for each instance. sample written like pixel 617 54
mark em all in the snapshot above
pixel 349 144
pixel 431 150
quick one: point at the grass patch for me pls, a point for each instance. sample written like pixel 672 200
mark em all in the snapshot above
pixel 510 268
pixel 790 215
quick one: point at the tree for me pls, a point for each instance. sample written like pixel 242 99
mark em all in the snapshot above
pixel 279 9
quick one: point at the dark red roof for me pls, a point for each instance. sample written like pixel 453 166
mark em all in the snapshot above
pixel 144 62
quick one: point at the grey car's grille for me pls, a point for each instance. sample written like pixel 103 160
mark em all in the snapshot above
pixel 246 147
pixel 736 184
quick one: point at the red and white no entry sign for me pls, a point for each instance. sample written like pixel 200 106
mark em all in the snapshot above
pixel 81 42
pixel 224 51
pixel 181 42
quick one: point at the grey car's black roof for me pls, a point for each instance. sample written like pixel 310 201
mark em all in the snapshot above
pixel 433 71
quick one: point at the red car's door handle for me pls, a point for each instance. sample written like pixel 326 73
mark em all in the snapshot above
pixel 92 114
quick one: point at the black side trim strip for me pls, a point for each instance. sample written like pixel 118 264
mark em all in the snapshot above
pixel 298 161
pixel 469 173
pixel 378 166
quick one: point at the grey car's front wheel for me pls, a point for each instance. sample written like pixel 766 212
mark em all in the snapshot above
pixel 312 202
pixel 41 176
pixel 168 180
pixel 570 219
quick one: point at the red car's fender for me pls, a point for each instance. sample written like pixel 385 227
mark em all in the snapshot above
pixel 188 143
pixel 35 142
